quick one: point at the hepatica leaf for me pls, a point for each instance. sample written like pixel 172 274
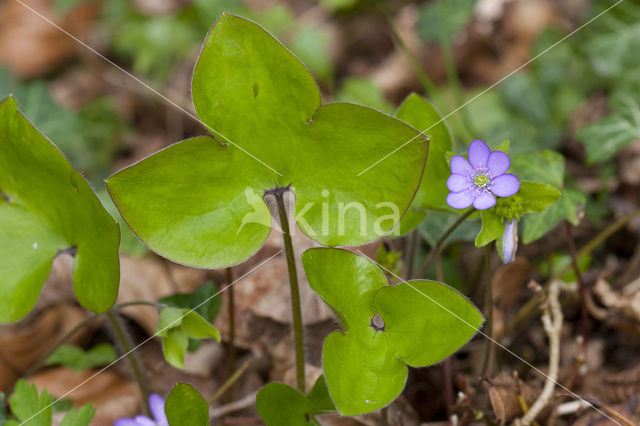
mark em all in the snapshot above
pixel 279 404
pixel 185 406
pixel 433 190
pixel 46 207
pixel 77 359
pixel 199 202
pixel 176 326
pixel 386 328
pixel 25 403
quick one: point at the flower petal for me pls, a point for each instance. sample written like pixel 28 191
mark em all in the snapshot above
pixel 460 165
pixel 457 183
pixel 484 201
pixel 498 163
pixel 462 199
pixel 125 422
pixel 510 241
pixel 478 153
pixel 505 185
pixel 144 421
pixel 156 406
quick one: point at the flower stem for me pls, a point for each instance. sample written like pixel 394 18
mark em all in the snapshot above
pixel 295 290
pixel 231 367
pixel 127 348
pixel 488 349
pixel 438 246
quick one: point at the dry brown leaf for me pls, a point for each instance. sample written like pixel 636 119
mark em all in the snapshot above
pixel 504 391
pixel 30 46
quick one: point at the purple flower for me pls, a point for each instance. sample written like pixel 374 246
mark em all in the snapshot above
pixel 156 405
pixel 478 180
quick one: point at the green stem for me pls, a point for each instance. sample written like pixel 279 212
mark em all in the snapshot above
pixel 411 253
pixel 454 81
pixel 430 89
pixel 231 368
pixel 295 290
pixel 438 246
pixel 127 348
pixel 488 349
pixel 82 324
pixel 228 385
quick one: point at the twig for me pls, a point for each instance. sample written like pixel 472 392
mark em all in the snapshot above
pixel 241 404
pixel 530 310
pixel 552 321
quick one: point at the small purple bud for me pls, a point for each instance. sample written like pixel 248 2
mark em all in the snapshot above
pixel 510 242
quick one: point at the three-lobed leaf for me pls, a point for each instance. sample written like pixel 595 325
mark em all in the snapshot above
pixel 199 202
pixel 279 404
pixel 185 406
pixel 46 207
pixel 385 327
pixel 27 404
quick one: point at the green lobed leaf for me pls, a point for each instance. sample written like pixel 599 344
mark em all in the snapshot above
pixel 570 207
pixel 492 227
pixel 199 202
pixel 46 207
pixel 185 406
pixel 79 416
pixel 176 326
pixel 78 359
pixel 544 166
pixel 604 138
pixel 433 191
pixel 195 299
pixel 384 327
pixel 25 403
pixel 279 404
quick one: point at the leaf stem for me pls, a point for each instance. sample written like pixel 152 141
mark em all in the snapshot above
pixel 438 246
pixel 488 349
pixel 82 324
pixel 295 290
pixel 127 348
pixel 231 367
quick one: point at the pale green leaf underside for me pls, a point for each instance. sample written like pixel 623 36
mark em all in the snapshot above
pixel 424 322
pixel 200 204
pixel 51 208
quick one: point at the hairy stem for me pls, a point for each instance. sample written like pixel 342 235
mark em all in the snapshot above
pixel 488 349
pixel 231 366
pixel 126 346
pixel 438 246
pixel 295 290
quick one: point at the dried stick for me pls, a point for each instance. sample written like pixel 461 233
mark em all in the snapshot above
pixel 552 321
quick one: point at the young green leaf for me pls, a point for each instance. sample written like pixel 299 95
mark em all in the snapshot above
pixel 79 416
pixel 25 403
pixel 176 326
pixel 185 406
pixel 46 208
pixel 279 404
pixel 199 202
pixel 385 328
pixel 570 207
pixel 492 227
pixel 77 359
pixel 433 191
